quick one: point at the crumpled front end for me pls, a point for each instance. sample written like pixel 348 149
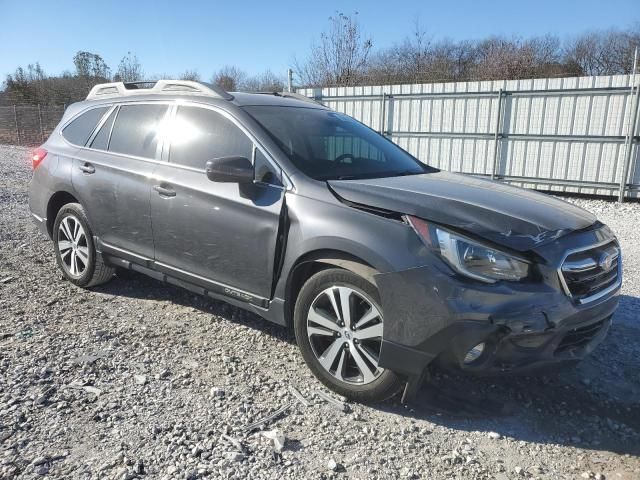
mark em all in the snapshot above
pixel 431 313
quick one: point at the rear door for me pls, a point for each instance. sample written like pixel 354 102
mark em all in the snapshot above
pixel 112 174
pixel 220 235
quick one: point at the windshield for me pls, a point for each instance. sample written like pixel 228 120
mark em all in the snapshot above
pixel 326 145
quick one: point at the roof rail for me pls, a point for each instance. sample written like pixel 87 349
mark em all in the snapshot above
pixel 294 95
pixel 121 89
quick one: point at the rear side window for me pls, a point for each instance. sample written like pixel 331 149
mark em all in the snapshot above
pixel 79 131
pixel 136 130
pixel 101 140
pixel 198 135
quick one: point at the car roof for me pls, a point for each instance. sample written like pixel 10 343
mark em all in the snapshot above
pixel 273 98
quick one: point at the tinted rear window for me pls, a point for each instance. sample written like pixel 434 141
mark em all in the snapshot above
pixel 135 131
pixel 79 131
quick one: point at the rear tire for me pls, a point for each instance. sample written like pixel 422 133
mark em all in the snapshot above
pixel 340 354
pixel 75 250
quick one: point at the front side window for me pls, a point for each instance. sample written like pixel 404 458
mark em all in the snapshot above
pixel 79 131
pixel 198 135
pixel 326 145
pixel 137 129
pixel 265 172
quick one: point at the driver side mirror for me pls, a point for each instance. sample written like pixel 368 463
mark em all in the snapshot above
pixel 232 169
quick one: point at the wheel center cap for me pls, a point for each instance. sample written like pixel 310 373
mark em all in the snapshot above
pixel 347 334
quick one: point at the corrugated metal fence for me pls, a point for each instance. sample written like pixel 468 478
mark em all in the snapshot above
pixel 559 134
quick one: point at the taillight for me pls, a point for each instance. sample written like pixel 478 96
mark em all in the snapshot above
pixel 37 157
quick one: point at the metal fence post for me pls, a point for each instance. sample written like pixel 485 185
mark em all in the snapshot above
pixel 317 94
pixel 633 113
pixel 290 80
pixel 382 112
pixel 629 143
pixel 15 119
pixel 40 120
pixel 497 135
pixel 390 114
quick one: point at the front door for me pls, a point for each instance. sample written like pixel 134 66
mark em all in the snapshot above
pixel 219 235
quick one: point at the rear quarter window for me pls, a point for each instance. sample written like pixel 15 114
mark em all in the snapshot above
pixel 101 140
pixel 80 129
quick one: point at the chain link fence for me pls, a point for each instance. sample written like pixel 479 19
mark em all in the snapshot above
pixel 28 125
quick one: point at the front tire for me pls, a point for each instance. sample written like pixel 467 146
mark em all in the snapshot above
pixel 338 325
pixel 75 251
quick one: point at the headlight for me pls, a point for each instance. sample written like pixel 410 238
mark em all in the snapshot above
pixel 469 257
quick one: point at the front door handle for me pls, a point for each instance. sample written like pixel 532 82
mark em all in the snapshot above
pixel 88 168
pixel 164 191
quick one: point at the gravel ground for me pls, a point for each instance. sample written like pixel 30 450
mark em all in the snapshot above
pixel 136 379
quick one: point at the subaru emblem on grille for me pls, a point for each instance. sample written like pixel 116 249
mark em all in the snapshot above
pixel 606 260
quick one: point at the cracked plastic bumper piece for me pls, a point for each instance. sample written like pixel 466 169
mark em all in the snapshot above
pixel 431 315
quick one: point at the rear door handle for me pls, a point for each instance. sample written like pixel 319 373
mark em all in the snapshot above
pixel 164 191
pixel 88 168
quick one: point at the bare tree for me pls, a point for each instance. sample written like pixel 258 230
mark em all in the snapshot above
pixel 344 57
pixel 500 57
pixel 190 75
pixel 265 82
pixel 405 60
pixel 340 57
pixel 129 69
pixel 229 78
pixel 604 52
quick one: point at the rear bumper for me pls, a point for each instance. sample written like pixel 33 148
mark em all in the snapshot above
pixel 434 316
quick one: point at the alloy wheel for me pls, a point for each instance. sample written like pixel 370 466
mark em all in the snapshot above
pixel 344 329
pixel 72 246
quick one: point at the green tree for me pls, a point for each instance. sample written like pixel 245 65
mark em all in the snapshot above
pixel 91 65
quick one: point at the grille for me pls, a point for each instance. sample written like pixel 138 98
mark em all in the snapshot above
pixel 579 337
pixel 591 273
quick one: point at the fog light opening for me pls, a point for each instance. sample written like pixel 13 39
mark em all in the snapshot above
pixel 474 354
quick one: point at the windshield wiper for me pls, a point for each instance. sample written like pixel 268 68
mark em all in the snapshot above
pixel 366 176
pixel 404 173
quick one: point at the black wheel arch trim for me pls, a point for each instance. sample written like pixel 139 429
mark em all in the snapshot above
pixel 328 258
pixel 51 216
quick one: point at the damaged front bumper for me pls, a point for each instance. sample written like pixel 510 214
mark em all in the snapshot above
pixel 432 315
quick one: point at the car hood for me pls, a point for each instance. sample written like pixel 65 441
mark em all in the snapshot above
pixel 513 217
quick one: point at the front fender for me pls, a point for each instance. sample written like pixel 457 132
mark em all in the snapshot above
pixel 338 234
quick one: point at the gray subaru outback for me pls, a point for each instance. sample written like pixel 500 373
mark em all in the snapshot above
pixel 382 265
